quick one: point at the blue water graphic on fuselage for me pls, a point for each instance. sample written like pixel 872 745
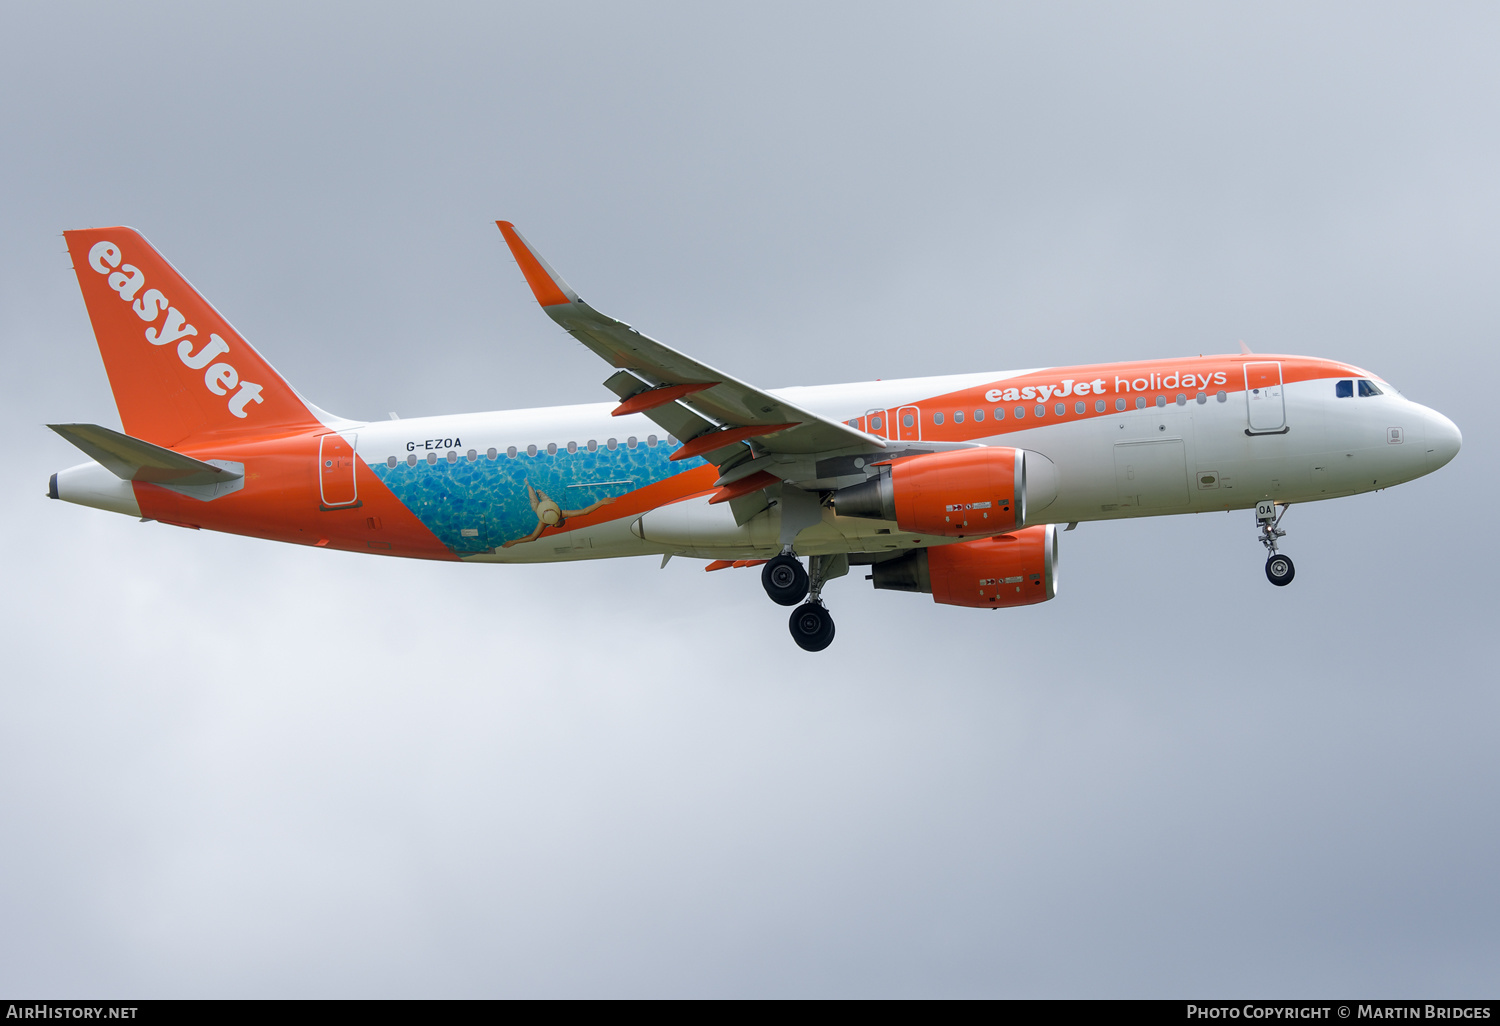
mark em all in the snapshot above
pixel 489 496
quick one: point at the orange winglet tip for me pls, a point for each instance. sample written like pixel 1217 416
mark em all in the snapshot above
pixel 754 483
pixel 546 289
pixel 719 439
pixel 654 397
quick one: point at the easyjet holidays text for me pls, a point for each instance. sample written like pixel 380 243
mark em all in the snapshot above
pixel 1153 381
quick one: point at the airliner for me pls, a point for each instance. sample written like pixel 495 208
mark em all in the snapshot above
pixel 953 486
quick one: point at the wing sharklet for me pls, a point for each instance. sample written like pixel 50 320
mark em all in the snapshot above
pixel 546 285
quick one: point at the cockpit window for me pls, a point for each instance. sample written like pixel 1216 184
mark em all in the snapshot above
pixel 1367 387
pixel 1344 389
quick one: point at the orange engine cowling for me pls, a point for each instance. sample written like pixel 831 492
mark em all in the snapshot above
pixel 1016 569
pixel 957 494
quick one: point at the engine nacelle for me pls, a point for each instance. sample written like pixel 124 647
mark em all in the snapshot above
pixel 957 494
pixel 1016 569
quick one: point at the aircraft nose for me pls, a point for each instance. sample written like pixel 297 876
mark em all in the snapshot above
pixel 1443 440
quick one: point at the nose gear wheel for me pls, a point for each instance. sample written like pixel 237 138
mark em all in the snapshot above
pixel 1280 571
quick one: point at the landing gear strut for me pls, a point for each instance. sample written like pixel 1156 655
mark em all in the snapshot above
pixel 1279 568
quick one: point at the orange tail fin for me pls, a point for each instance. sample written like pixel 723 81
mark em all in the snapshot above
pixel 177 368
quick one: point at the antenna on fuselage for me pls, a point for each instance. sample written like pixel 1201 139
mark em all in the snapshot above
pixel 1246 349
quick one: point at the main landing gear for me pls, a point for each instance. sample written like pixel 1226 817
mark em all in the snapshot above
pixel 1279 568
pixel 784 579
pixel 788 583
pixel 811 626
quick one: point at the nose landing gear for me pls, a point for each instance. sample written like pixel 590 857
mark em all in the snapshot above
pixel 1279 568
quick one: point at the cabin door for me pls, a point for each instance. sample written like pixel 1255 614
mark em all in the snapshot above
pixel 336 485
pixel 1265 404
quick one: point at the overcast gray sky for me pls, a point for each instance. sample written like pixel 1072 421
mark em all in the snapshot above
pixel 229 767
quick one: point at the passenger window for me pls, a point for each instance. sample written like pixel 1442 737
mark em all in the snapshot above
pixel 958 416
pixel 593 445
pixel 1040 411
pixel 472 455
pixel 510 452
pixel 651 441
pixel 1120 403
pixel 551 448
pixel 1099 406
pixel 999 412
pixel 937 418
pixel 531 450
pixel 1140 402
pixel 978 415
pixel 1060 409
pixel 1080 407
pixel 572 447
pixel 1367 388
pixel 907 420
pixel 1020 412
pixel 491 453
pixel 1344 389
pixel 1161 401
pixel 391 462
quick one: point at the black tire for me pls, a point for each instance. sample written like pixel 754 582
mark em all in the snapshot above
pixel 785 580
pixel 811 627
pixel 1280 571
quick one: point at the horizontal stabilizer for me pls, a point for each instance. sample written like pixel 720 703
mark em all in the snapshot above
pixel 135 460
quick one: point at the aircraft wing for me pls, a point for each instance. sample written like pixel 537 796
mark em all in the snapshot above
pixel 714 414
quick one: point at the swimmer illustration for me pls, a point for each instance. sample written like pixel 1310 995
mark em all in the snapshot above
pixel 550 514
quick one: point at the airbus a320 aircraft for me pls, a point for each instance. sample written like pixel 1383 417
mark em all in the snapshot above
pixel 950 486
